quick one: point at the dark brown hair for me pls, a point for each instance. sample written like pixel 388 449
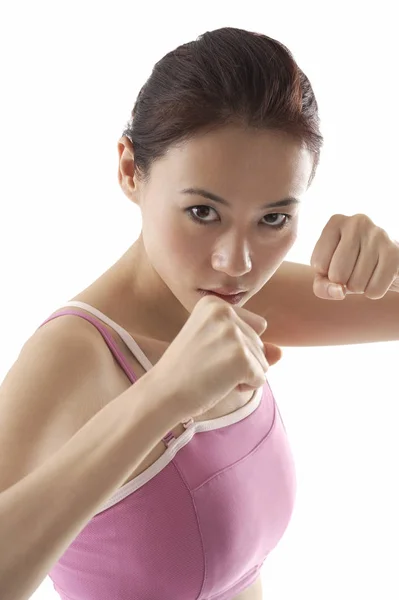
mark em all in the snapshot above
pixel 226 76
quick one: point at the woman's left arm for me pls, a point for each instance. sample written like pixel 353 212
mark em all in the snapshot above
pixel 358 256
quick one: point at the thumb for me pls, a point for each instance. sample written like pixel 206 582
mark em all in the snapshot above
pixel 327 290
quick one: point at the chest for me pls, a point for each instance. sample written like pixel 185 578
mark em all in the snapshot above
pixel 154 351
pixel 120 382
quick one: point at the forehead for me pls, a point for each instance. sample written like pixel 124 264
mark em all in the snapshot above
pixel 233 160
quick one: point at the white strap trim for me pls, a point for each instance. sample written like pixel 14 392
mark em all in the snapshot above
pixel 197 426
pixel 126 337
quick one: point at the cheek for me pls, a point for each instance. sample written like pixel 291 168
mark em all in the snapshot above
pixel 287 243
pixel 176 244
pixel 274 253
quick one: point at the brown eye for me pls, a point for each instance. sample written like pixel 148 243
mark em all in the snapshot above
pixel 281 224
pixel 199 218
pixel 196 214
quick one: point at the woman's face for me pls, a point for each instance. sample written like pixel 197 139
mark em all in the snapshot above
pixel 193 242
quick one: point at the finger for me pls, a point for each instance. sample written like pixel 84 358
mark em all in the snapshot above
pixel 256 322
pixel 381 279
pixel 249 323
pixel 325 247
pixel 256 374
pixel 366 263
pixel 273 353
pixel 255 344
pixel 323 288
pixel 344 260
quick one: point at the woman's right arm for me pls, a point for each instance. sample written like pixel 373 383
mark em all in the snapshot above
pixel 42 512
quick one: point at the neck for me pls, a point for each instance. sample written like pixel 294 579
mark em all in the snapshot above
pixel 144 300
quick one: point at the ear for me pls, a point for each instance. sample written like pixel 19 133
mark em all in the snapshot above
pixel 127 176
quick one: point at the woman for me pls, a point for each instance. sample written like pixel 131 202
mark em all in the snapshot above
pixel 179 486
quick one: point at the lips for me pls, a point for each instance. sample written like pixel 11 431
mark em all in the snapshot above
pixel 231 298
pixel 227 291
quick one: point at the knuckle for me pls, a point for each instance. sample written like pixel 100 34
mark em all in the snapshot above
pixel 218 306
pixel 242 354
pixel 208 299
pixel 335 219
pixel 237 337
pixel 229 331
pixel 375 236
pixel 361 222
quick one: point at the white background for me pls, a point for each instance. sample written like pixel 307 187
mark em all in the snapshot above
pixel 70 73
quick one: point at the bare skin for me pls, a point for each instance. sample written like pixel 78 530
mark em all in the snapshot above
pixel 152 289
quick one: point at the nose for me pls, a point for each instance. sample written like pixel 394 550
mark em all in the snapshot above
pixel 233 258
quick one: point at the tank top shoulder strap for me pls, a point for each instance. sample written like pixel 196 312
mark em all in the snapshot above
pixel 126 337
pixel 123 334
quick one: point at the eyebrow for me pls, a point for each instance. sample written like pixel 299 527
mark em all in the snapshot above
pixel 210 196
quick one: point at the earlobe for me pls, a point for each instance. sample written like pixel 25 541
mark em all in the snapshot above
pixel 129 186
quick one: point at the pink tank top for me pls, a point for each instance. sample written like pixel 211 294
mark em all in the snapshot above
pixel 199 523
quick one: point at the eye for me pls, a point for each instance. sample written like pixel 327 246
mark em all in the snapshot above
pixel 200 219
pixel 280 225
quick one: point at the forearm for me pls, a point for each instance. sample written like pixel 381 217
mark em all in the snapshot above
pixel 296 317
pixel 43 513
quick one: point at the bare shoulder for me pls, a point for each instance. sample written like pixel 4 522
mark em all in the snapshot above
pixel 58 382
